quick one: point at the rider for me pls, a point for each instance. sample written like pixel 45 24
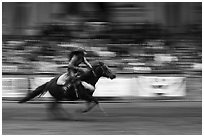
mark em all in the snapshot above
pixel 76 57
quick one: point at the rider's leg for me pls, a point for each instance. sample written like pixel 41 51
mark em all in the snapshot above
pixel 75 85
pixel 76 91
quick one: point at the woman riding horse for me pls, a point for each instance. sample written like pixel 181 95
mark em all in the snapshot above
pixel 76 57
pixel 91 77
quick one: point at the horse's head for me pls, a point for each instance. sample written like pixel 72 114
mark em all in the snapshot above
pixel 102 70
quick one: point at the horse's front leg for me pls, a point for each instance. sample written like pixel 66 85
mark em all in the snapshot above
pixel 91 101
pixel 101 109
pixel 90 105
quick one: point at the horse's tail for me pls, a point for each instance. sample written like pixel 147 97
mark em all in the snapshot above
pixel 36 92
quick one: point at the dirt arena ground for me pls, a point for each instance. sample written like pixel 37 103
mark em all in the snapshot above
pixel 137 118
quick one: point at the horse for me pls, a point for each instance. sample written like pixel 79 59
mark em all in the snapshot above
pixel 59 94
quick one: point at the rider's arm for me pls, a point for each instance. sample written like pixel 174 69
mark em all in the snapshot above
pixel 71 64
pixel 87 63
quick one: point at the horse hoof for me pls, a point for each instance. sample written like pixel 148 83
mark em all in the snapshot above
pixel 84 111
pixel 81 111
pixel 21 101
pixel 78 111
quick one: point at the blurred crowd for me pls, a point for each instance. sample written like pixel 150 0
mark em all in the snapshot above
pixel 128 37
pixel 139 48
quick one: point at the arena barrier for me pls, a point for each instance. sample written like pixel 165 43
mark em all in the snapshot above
pixel 14 87
pixel 152 86
pixel 141 86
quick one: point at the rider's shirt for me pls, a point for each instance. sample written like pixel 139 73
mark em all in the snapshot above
pixel 75 60
pixel 74 63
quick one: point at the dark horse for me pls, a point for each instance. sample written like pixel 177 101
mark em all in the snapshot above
pixel 100 69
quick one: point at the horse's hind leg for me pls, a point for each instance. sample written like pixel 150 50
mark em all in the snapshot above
pixel 55 110
pixel 52 107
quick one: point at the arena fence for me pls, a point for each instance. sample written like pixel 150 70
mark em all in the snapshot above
pixel 131 86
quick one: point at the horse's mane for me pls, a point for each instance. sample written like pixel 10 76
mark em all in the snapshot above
pixel 96 63
pixel 87 78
